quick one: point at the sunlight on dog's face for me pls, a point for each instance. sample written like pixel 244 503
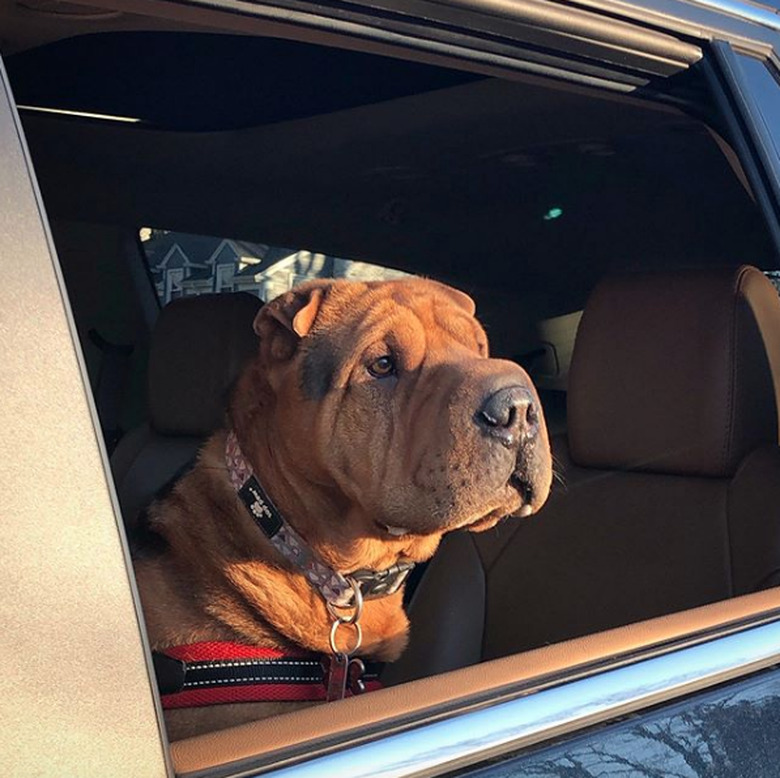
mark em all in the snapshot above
pixel 391 390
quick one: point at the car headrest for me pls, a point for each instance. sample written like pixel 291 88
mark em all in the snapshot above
pixel 676 372
pixel 199 345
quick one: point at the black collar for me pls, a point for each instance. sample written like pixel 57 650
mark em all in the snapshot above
pixel 336 588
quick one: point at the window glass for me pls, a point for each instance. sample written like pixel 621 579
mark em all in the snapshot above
pixel 182 265
pixel 719 733
pixel 762 79
pixel 774 277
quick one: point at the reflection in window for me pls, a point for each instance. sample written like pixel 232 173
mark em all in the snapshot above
pixel 727 733
pixel 182 264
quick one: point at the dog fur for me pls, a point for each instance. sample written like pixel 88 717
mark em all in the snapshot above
pixel 345 454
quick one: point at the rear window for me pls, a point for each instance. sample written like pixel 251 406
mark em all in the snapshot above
pixel 774 277
pixel 182 265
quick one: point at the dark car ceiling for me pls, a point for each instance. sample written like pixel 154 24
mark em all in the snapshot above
pixel 200 81
pixel 454 182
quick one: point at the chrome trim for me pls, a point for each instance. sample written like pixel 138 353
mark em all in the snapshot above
pixel 750 13
pixel 505 727
pixel 78 114
pixel 671 13
pixel 750 27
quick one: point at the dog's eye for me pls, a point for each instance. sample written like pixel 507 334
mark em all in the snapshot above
pixel 382 367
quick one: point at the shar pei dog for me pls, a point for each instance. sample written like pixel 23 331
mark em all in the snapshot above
pixel 370 422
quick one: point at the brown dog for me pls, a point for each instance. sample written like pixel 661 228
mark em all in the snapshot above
pixel 373 422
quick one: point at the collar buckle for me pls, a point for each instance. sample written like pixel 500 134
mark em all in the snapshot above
pixel 382 583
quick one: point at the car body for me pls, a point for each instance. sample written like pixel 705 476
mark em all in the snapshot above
pixel 94 148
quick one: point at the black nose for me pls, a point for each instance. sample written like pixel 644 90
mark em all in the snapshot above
pixel 509 414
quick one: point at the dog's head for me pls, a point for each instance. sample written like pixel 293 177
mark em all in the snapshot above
pixel 383 398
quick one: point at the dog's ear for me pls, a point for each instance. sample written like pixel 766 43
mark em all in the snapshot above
pixel 296 310
pixel 281 323
pixel 461 299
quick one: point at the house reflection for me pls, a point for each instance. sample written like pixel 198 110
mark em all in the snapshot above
pixel 182 265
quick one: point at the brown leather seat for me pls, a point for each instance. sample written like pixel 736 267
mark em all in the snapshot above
pixel 671 479
pixel 198 347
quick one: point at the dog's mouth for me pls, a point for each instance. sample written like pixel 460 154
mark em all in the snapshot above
pixel 396 532
pixel 519 482
pixel 522 483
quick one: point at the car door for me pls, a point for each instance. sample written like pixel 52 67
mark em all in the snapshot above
pixel 77 697
pixel 75 674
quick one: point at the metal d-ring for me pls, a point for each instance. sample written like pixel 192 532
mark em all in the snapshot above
pixel 358 637
pixel 357 604
pixel 352 619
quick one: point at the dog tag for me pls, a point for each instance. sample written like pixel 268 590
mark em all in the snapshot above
pixel 336 667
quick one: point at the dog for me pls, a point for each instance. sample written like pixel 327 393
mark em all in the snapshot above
pixel 370 422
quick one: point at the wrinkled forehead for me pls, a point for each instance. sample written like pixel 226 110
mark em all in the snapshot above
pixel 403 308
pixel 410 319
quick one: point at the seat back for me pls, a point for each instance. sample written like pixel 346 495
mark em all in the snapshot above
pixel 198 347
pixel 670 478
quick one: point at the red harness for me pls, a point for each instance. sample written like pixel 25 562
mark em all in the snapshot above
pixel 213 673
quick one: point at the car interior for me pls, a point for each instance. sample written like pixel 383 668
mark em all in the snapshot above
pixel 611 240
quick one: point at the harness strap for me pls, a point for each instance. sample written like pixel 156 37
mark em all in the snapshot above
pixel 213 673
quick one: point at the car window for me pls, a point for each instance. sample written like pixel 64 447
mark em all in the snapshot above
pixel 762 78
pixel 183 265
pixel 721 733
